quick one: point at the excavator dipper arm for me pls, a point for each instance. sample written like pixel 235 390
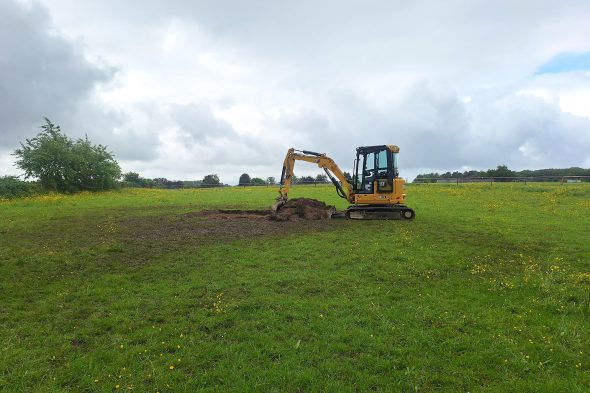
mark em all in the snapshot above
pixel 343 187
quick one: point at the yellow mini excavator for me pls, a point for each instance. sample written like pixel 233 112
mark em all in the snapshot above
pixel 376 191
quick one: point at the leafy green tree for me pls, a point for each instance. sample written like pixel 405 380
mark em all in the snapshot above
pixel 64 165
pixel 256 181
pixel 161 182
pixel 502 172
pixel 211 180
pixel 348 177
pixel 321 179
pixel 134 179
pixel 244 179
pixel 271 180
pixel 131 177
pixel 146 183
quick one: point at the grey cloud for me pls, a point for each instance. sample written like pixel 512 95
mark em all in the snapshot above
pixel 459 39
pixel 138 132
pixel 197 121
pixel 152 131
pixel 307 121
pixel 414 123
pixel 528 131
pixel 189 129
pixel 436 129
pixel 41 73
pixel 130 134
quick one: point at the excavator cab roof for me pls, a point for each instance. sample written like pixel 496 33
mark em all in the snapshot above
pixel 373 149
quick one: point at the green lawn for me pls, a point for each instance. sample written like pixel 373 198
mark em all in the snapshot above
pixel 487 290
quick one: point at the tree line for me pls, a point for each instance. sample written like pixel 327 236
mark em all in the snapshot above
pixel 54 162
pixel 133 179
pixel 61 164
pixel 245 180
pixel 502 171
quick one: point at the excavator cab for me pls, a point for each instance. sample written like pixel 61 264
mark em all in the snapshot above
pixel 375 169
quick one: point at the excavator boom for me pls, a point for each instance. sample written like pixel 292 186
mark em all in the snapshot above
pixel 334 173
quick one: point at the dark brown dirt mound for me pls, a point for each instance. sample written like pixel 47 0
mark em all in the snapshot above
pixel 303 209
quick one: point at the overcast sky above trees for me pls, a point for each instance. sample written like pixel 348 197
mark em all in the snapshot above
pixel 182 88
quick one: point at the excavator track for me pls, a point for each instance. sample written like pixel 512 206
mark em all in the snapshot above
pixel 380 212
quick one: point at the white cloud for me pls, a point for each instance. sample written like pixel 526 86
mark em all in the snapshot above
pixel 571 90
pixel 226 87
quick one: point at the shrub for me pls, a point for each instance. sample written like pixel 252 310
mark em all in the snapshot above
pixel 256 181
pixel 13 187
pixel 64 165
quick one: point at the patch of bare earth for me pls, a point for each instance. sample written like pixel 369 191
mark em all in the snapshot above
pixel 225 224
pixel 144 237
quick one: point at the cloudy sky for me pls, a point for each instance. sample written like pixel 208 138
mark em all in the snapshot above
pixel 184 88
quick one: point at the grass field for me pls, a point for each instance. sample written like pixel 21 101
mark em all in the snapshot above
pixel 487 290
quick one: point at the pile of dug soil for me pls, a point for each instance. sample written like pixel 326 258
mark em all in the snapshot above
pixel 303 209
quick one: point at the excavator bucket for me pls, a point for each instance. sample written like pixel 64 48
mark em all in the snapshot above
pixel 278 204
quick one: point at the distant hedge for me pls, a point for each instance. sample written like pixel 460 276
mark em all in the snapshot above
pixel 13 187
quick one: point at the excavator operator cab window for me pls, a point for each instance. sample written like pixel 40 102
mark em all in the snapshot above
pixel 365 185
pixel 384 165
pixel 381 163
pixel 378 166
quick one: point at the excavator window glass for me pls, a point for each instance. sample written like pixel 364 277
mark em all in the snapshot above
pixel 384 171
pixel 382 162
pixel 368 174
